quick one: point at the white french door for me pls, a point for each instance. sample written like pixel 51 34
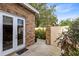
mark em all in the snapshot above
pixel 12 33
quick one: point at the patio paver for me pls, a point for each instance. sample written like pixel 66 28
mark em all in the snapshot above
pixel 41 49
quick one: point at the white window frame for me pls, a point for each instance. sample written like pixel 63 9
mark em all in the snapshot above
pixel 15 46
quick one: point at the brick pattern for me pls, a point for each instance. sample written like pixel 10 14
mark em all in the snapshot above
pixel 17 9
pixel 48 35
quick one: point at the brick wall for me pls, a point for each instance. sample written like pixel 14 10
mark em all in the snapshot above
pixel 29 16
pixel 48 35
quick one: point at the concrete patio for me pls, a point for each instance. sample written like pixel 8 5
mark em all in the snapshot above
pixel 41 49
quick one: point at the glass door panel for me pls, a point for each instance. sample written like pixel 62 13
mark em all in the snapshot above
pixel 7 33
pixel 20 32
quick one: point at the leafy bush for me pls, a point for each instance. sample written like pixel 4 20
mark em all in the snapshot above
pixel 70 41
pixel 66 22
pixel 74 52
pixel 40 33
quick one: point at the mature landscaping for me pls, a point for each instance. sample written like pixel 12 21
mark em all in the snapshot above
pixel 47 17
pixel 70 42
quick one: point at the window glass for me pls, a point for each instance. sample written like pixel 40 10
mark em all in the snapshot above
pixel 7 20
pixel 20 31
pixel 7 32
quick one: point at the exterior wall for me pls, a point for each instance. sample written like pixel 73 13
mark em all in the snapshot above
pixel 56 32
pixel 53 33
pixel 48 35
pixel 18 10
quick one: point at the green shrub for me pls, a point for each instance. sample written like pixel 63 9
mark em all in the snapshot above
pixel 70 41
pixel 74 52
pixel 40 33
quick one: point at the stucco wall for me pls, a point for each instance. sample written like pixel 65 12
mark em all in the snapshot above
pixel 56 32
pixel 17 9
pixel 53 33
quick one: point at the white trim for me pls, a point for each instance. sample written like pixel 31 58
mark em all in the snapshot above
pixel 9 50
pixel 29 6
pixel 23 30
pixel 1 30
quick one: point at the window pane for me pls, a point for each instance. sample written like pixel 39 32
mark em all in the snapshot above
pixel 7 32
pixel 20 22
pixel 7 20
pixel 20 31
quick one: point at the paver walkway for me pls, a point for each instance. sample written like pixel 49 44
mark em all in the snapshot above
pixel 41 49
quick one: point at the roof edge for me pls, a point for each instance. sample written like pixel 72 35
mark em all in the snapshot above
pixel 30 7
